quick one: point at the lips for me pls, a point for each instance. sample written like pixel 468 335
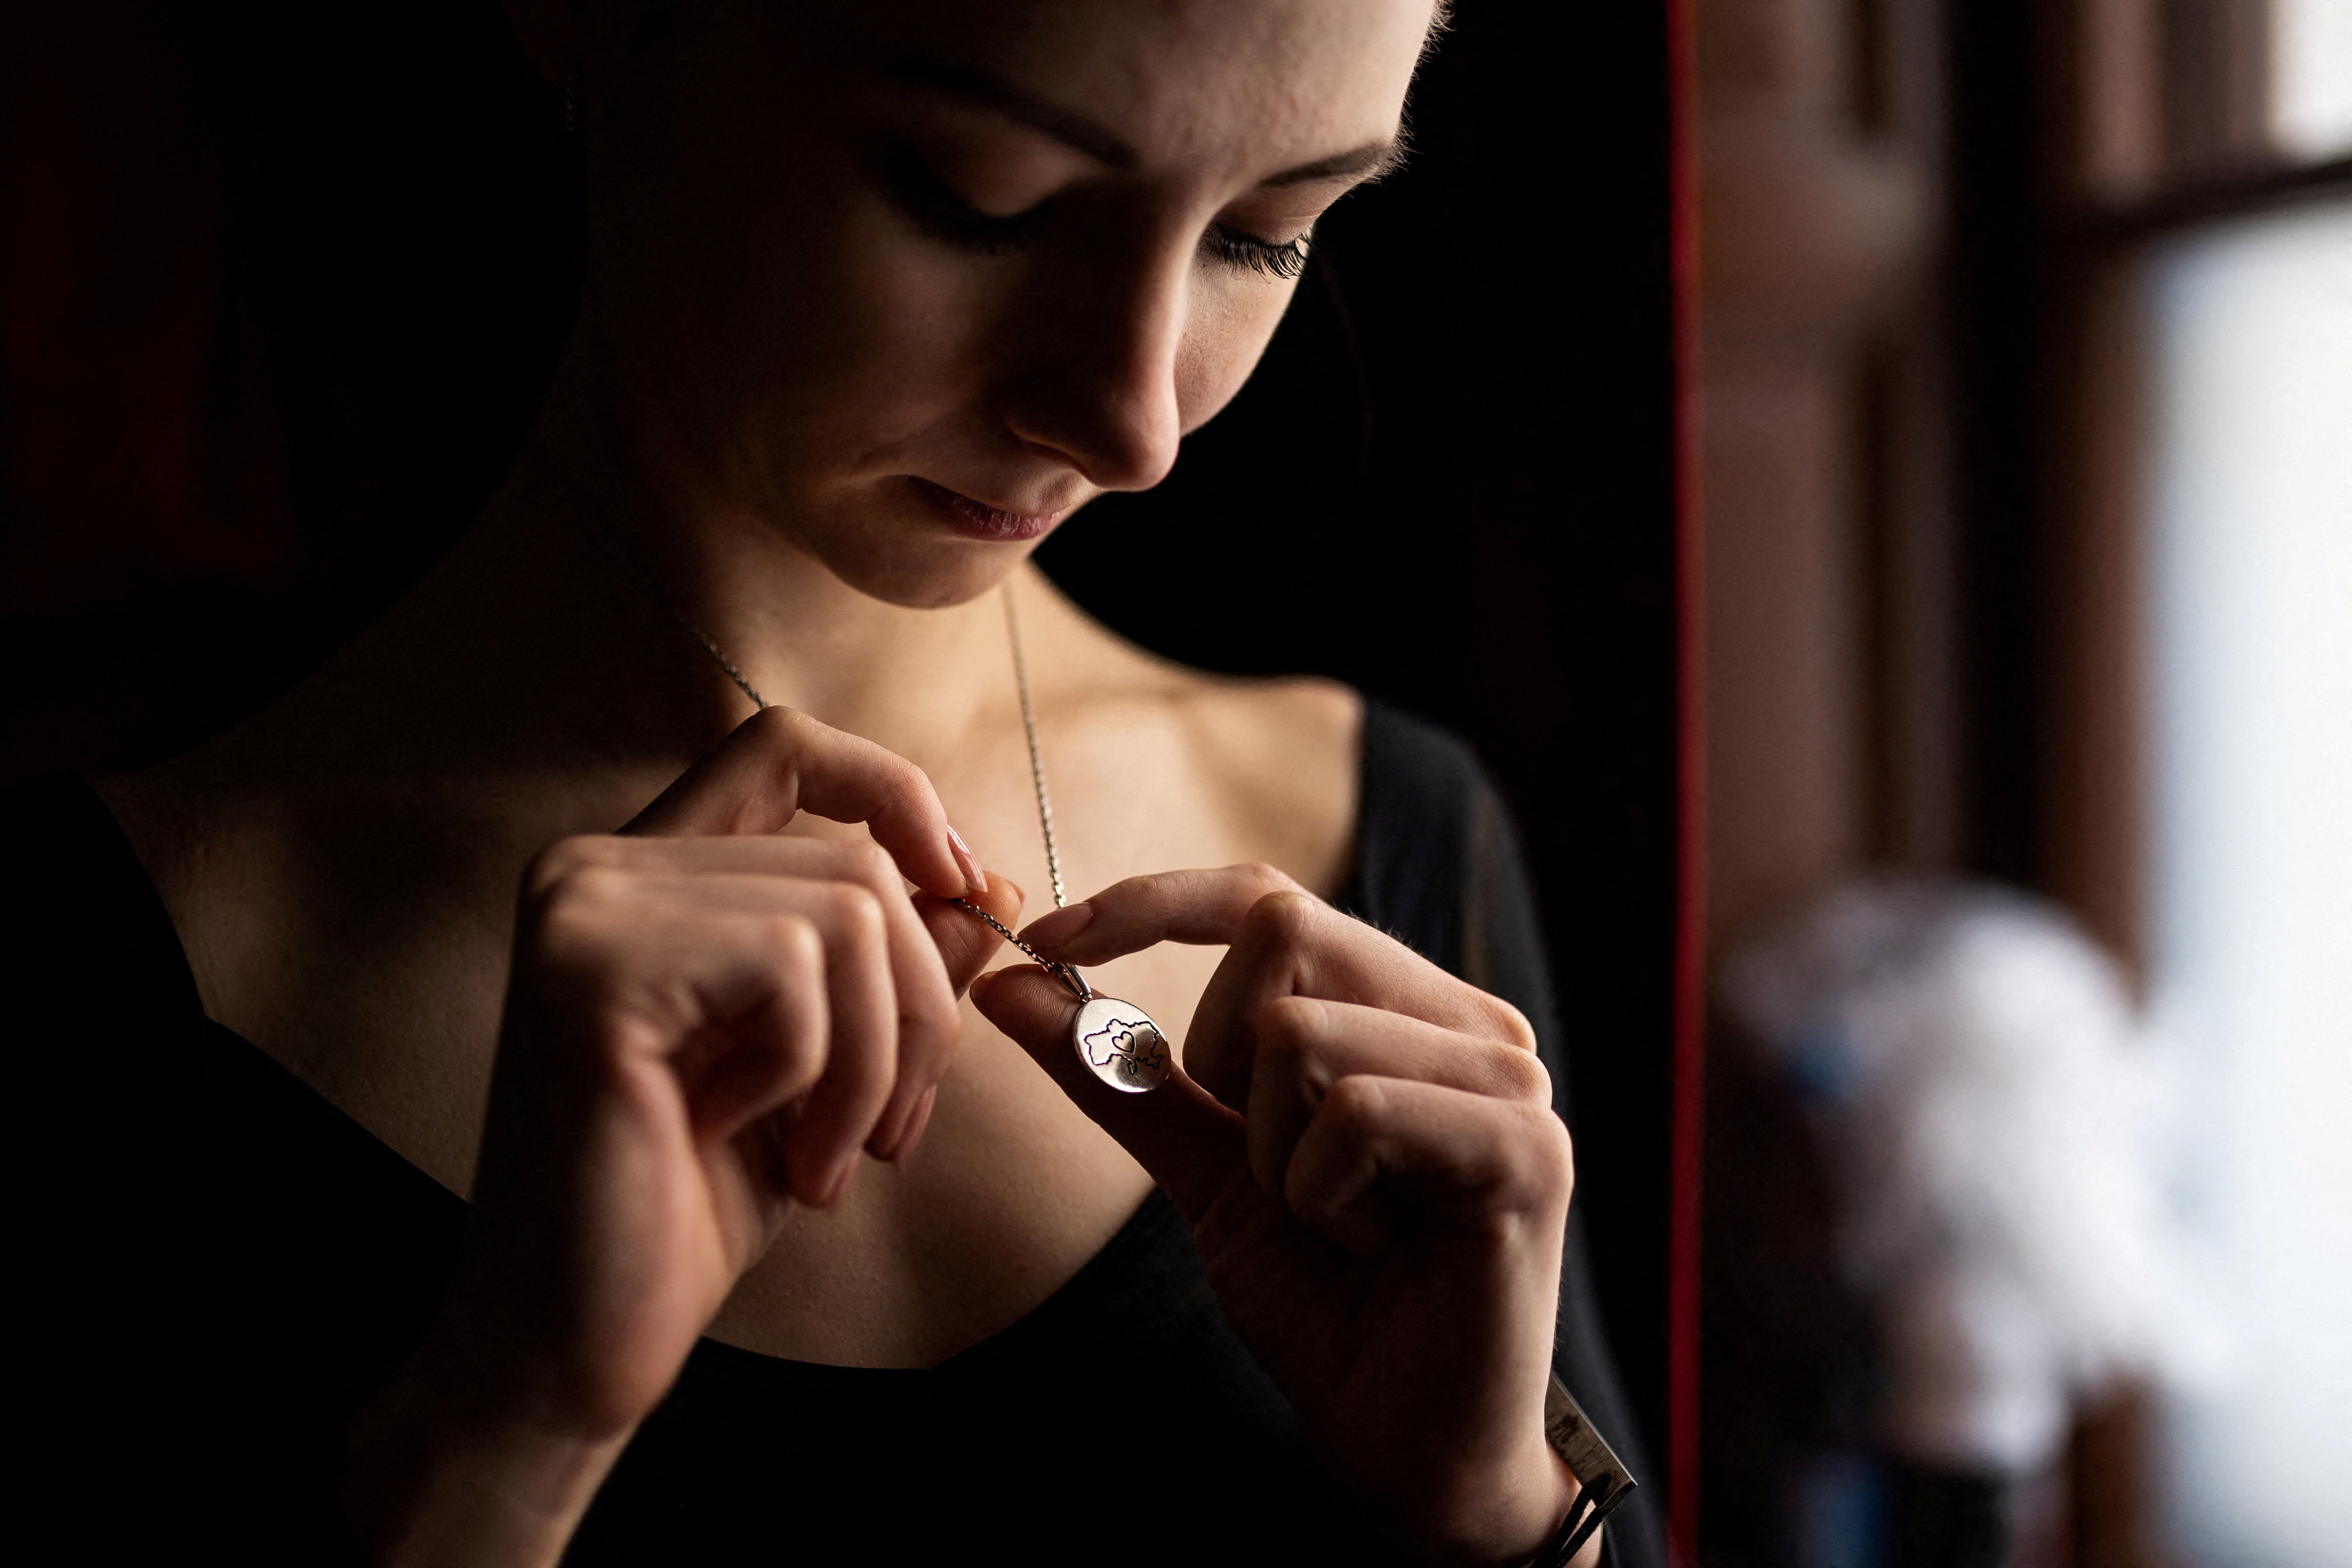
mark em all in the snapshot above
pixel 978 520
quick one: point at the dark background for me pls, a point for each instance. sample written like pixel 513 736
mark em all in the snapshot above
pixel 284 285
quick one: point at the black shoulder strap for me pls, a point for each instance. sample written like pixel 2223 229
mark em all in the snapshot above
pixel 1416 794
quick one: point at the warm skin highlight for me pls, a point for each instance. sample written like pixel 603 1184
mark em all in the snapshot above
pixel 877 295
pixel 1031 374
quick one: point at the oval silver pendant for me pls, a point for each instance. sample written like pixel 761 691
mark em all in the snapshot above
pixel 1120 1044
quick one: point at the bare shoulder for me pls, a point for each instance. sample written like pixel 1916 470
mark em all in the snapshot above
pixel 1280 759
pixel 1289 744
pixel 1275 762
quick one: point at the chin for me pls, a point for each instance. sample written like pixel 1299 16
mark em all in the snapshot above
pixel 914 552
pixel 917 572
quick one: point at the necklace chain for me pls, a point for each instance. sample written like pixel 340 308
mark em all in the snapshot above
pixel 1068 976
pixel 733 674
pixel 1037 758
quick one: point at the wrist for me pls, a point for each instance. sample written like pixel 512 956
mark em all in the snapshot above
pixel 1566 1490
pixel 438 1472
pixel 1546 1501
pixel 1500 1515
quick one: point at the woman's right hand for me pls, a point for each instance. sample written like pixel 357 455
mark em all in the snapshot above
pixel 706 1024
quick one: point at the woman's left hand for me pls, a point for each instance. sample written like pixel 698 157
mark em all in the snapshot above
pixel 1366 1149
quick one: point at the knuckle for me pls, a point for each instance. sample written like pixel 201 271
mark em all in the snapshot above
pixel 854 913
pixel 1524 1075
pixel 772 733
pixel 567 931
pixel 1282 918
pixel 552 867
pixel 931 1022
pixel 871 865
pixel 581 931
pixel 1291 1020
pixel 778 726
pixel 796 945
pixel 1354 1103
pixel 1548 1156
pixel 585 897
pixel 1269 879
pixel 1511 1024
pixel 909 782
pixel 1287 1030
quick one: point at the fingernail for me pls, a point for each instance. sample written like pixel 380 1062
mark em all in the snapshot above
pixel 909 1127
pixel 919 1118
pixel 975 879
pixel 1049 931
pixel 841 1183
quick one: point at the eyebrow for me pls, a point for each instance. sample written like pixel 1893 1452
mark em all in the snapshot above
pixel 1371 161
pixel 1070 130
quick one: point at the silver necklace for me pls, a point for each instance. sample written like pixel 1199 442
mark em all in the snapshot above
pixel 1117 1040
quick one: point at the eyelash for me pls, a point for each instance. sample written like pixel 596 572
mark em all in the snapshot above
pixel 1236 249
pixel 939 213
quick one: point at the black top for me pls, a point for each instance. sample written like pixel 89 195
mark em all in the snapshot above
pixel 221 1266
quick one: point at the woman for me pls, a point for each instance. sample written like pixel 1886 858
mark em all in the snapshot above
pixel 779 1242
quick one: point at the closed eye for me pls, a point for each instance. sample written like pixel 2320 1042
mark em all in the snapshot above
pixel 1231 247
pixel 947 217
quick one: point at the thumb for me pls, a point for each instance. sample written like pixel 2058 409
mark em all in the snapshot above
pixel 1191 1145
pixel 966 943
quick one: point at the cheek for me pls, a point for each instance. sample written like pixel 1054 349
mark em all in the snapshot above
pixel 755 280
pixel 1230 323
pixel 795 330
pixel 879 338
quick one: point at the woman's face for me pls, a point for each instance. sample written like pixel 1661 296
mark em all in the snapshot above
pixel 910 280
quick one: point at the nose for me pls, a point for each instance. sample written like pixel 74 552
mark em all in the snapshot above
pixel 1096 382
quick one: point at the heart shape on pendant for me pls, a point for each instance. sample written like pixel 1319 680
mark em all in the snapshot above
pixel 1120 1044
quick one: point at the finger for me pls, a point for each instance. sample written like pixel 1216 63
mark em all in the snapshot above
pixel 768 871
pixel 769 1055
pixel 1304 1046
pixel 780 762
pixel 1191 1145
pixel 1291 945
pixel 966 943
pixel 915 1122
pixel 1499 1168
pixel 1310 947
pixel 957 944
pixel 1201 906
pixel 862 1055
pixel 730 999
pixel 915 949
pixel 928 1023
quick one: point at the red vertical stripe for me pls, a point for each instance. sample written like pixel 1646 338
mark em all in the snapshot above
pixel 1690 867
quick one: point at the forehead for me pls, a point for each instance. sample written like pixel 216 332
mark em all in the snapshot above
pixel 1240 82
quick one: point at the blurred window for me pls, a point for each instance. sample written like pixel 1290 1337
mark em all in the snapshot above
pixel 2177 96
pixel 2199 487
pixel 2249 329
pixel 2310 78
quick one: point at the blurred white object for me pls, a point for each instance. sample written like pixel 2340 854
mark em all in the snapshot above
pixel 1987 1102
pixel 2311 77
pixel 2251 961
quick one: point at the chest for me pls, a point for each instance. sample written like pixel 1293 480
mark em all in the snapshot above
pixel 376 972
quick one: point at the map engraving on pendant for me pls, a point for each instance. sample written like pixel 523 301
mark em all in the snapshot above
pixel 1121 1046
